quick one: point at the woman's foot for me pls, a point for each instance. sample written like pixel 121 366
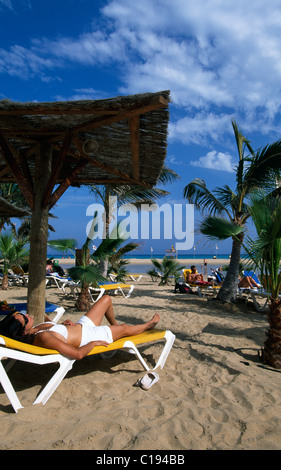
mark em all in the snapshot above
pixel 154 320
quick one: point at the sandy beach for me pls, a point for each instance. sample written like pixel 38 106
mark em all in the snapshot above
pixel 185 261
pixel 213 393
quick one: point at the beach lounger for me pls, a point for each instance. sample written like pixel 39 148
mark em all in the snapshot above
pixel 264 295
pixel 16 350
pixel 133 277
pixel 22 307
pixel 115 286
pixel 62 283
pixel 201 289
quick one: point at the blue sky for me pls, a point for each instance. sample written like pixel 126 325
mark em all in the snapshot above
pixel 221 60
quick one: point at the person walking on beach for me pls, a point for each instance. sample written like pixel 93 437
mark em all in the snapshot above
pixel 74 340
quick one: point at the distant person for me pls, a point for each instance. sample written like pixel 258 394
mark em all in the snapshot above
pixel 193 276
pixel 49 266
pixel 219 275
pixel 248 282
pixel 205 270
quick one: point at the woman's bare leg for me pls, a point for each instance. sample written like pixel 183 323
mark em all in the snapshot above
pixel 120 331
pixel 103 307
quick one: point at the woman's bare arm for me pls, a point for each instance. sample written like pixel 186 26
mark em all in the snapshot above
pixel 50 341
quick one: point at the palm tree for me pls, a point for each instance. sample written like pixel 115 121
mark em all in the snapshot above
pixel 12 194
pixel 12 252
pixel 228 210
pixel 89 272
pixel 130 194
pixel 265 253
pixel 166 270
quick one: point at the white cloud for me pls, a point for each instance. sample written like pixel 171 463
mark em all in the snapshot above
pixel 24 63
pixel 84 94
pixel 219 59
pixel 6 3
pixel 199 128
pixel 215 161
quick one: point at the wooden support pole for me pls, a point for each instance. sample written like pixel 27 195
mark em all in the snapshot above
pixel 36 291
pixel 134 125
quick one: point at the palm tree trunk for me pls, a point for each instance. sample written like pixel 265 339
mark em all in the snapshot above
pixel 5 282
pixel 271 353
pixel 83 303
pixel 228 291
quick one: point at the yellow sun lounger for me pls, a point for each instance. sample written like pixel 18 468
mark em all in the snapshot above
pixel 134 277
pixel 115 286
pixel 15 350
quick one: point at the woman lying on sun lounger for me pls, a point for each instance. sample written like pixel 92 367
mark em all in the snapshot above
pixel 74 340
pixel 248 282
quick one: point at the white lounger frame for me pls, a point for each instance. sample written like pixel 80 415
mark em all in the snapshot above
pixel 65 364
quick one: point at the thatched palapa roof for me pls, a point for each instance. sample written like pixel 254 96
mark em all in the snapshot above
pixel 10 210
pixel 130 134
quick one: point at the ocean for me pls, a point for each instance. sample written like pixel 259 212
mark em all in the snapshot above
pixel 144 267
pixel 148 256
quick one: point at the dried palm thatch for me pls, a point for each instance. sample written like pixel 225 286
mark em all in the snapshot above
pixel 130 134
pixel 10 210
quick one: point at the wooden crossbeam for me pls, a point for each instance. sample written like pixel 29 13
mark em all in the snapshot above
pixel 56 169
pixel 92 161
pixel 124 114
pixel 66 182
pixel 22 179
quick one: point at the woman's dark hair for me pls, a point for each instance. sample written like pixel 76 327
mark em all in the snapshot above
pixel 12 328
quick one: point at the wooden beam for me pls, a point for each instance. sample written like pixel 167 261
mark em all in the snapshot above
pixel 92 161
pixel 56 169
pixel 22 181
pixel 4 170
pixel 66 183
pixel 134 125
pixel 160 102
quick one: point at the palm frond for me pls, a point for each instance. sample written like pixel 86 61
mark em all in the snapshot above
pixel 241 141
pixel 198 194
pixel 217 228
pixel 168 176
pixel 167 270
pixel 264 168
pixel 87 275
pixel 63 245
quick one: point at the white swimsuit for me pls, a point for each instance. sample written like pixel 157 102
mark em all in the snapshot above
pixel 90 332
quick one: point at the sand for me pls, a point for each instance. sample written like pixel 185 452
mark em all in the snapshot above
pixel 213 393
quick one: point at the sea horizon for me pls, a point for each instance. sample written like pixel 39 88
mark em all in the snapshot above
pixel 147 256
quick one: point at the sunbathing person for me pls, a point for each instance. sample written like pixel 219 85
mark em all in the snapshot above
pixel 248 282
pixel 194 276
pixel 74 340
